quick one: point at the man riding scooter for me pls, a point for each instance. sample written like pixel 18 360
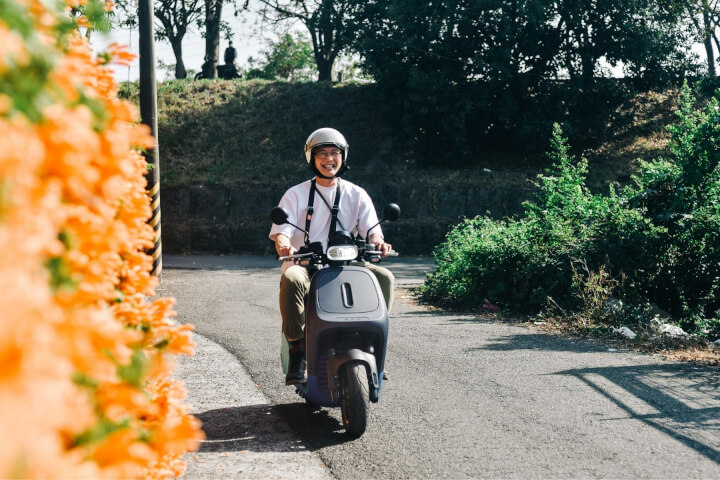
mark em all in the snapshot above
pixel 325 204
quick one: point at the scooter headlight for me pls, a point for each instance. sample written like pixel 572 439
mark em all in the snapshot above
pixel 342 253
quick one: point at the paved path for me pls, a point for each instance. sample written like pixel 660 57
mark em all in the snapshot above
pixel 468 397
pixel 246 437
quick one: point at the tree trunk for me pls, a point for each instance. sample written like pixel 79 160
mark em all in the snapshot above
pixel 325 73
pixel 710 57
pixel 180 71
pixel 213 13
pixel 707 40
pixel 325 33
pixel 587 75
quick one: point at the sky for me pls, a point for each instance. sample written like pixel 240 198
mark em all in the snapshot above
pixel 246 42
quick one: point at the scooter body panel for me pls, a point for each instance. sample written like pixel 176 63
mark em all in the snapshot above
pixel 345 320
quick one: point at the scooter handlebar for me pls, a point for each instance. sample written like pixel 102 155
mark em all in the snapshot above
pixel 391 253
pixel 294 256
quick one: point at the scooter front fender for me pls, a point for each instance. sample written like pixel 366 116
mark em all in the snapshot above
pixel 337 360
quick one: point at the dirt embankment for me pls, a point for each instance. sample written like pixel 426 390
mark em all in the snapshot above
pixel 228 150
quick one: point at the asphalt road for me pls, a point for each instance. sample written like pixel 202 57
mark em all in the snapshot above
pixel 470 397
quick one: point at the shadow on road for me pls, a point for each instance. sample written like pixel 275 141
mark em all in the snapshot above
pixel 268 428
pixel 440 315
pixel 319 428
pixel 678 400
pixel 539 341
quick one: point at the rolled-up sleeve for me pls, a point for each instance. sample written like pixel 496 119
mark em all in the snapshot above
pixel 367 217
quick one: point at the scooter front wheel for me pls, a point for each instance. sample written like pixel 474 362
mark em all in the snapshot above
pixel 355 398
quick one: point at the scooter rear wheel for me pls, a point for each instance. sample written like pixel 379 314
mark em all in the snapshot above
pixel 355 400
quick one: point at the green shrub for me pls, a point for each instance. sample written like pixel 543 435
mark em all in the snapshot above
pixel 518 263
pixel 661 236
pixel 680 201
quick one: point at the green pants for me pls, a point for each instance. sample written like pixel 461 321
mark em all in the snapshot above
pixel 294 286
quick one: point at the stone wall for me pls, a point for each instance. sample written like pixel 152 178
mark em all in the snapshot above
pixel 224 219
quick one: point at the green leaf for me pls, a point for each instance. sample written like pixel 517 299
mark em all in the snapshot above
pixel 60 276
pixel 136 370
pixel 98 432
pixel 84 380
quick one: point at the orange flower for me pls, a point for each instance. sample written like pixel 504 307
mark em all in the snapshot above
pixel 120 55
pixel 123 454
pixel 78 329
pixel 83 22
pixel 179 339
pixel 122 400
pixel 12 49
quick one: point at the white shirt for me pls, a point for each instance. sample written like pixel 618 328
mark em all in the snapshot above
pixel 356 214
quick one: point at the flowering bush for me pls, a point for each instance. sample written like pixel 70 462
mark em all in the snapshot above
pixel 85 357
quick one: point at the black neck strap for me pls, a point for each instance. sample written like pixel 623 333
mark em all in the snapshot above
pixel 310 209
pixel 334 210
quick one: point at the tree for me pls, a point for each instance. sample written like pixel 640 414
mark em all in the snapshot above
pixel 289 58
pixel 644 35
pixel 456 69
pixel 175 18
pixel 464 70
pixel 324 19
pixel 213 14
pixel 705 18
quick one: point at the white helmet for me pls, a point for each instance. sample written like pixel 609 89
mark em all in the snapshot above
pixel 324 137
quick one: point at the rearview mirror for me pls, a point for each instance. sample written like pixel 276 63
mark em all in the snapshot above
pixel 279 216
pixel 391 212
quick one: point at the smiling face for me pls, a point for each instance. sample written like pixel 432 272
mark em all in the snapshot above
pixel 328 160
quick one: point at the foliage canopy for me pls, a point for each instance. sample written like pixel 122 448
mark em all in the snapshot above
pixel 468 75
pixel 326 22
pixel 289 58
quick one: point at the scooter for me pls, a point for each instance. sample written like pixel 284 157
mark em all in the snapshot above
pixel 346 324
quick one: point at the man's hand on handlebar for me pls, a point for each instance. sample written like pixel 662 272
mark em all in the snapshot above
pixel 383 247
pixel 283 247
pixel 380 244
pixel 286 251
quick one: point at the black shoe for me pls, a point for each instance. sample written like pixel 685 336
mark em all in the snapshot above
pixel 296 372
pixel 297 366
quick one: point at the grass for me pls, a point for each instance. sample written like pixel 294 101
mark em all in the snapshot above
pixel 226 132
pixel 639 132
pixel 690 349
pixel 221 132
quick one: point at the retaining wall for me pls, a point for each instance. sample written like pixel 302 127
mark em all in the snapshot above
pixel 235 219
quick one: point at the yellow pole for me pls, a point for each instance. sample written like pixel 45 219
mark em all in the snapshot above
pixel 148 112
